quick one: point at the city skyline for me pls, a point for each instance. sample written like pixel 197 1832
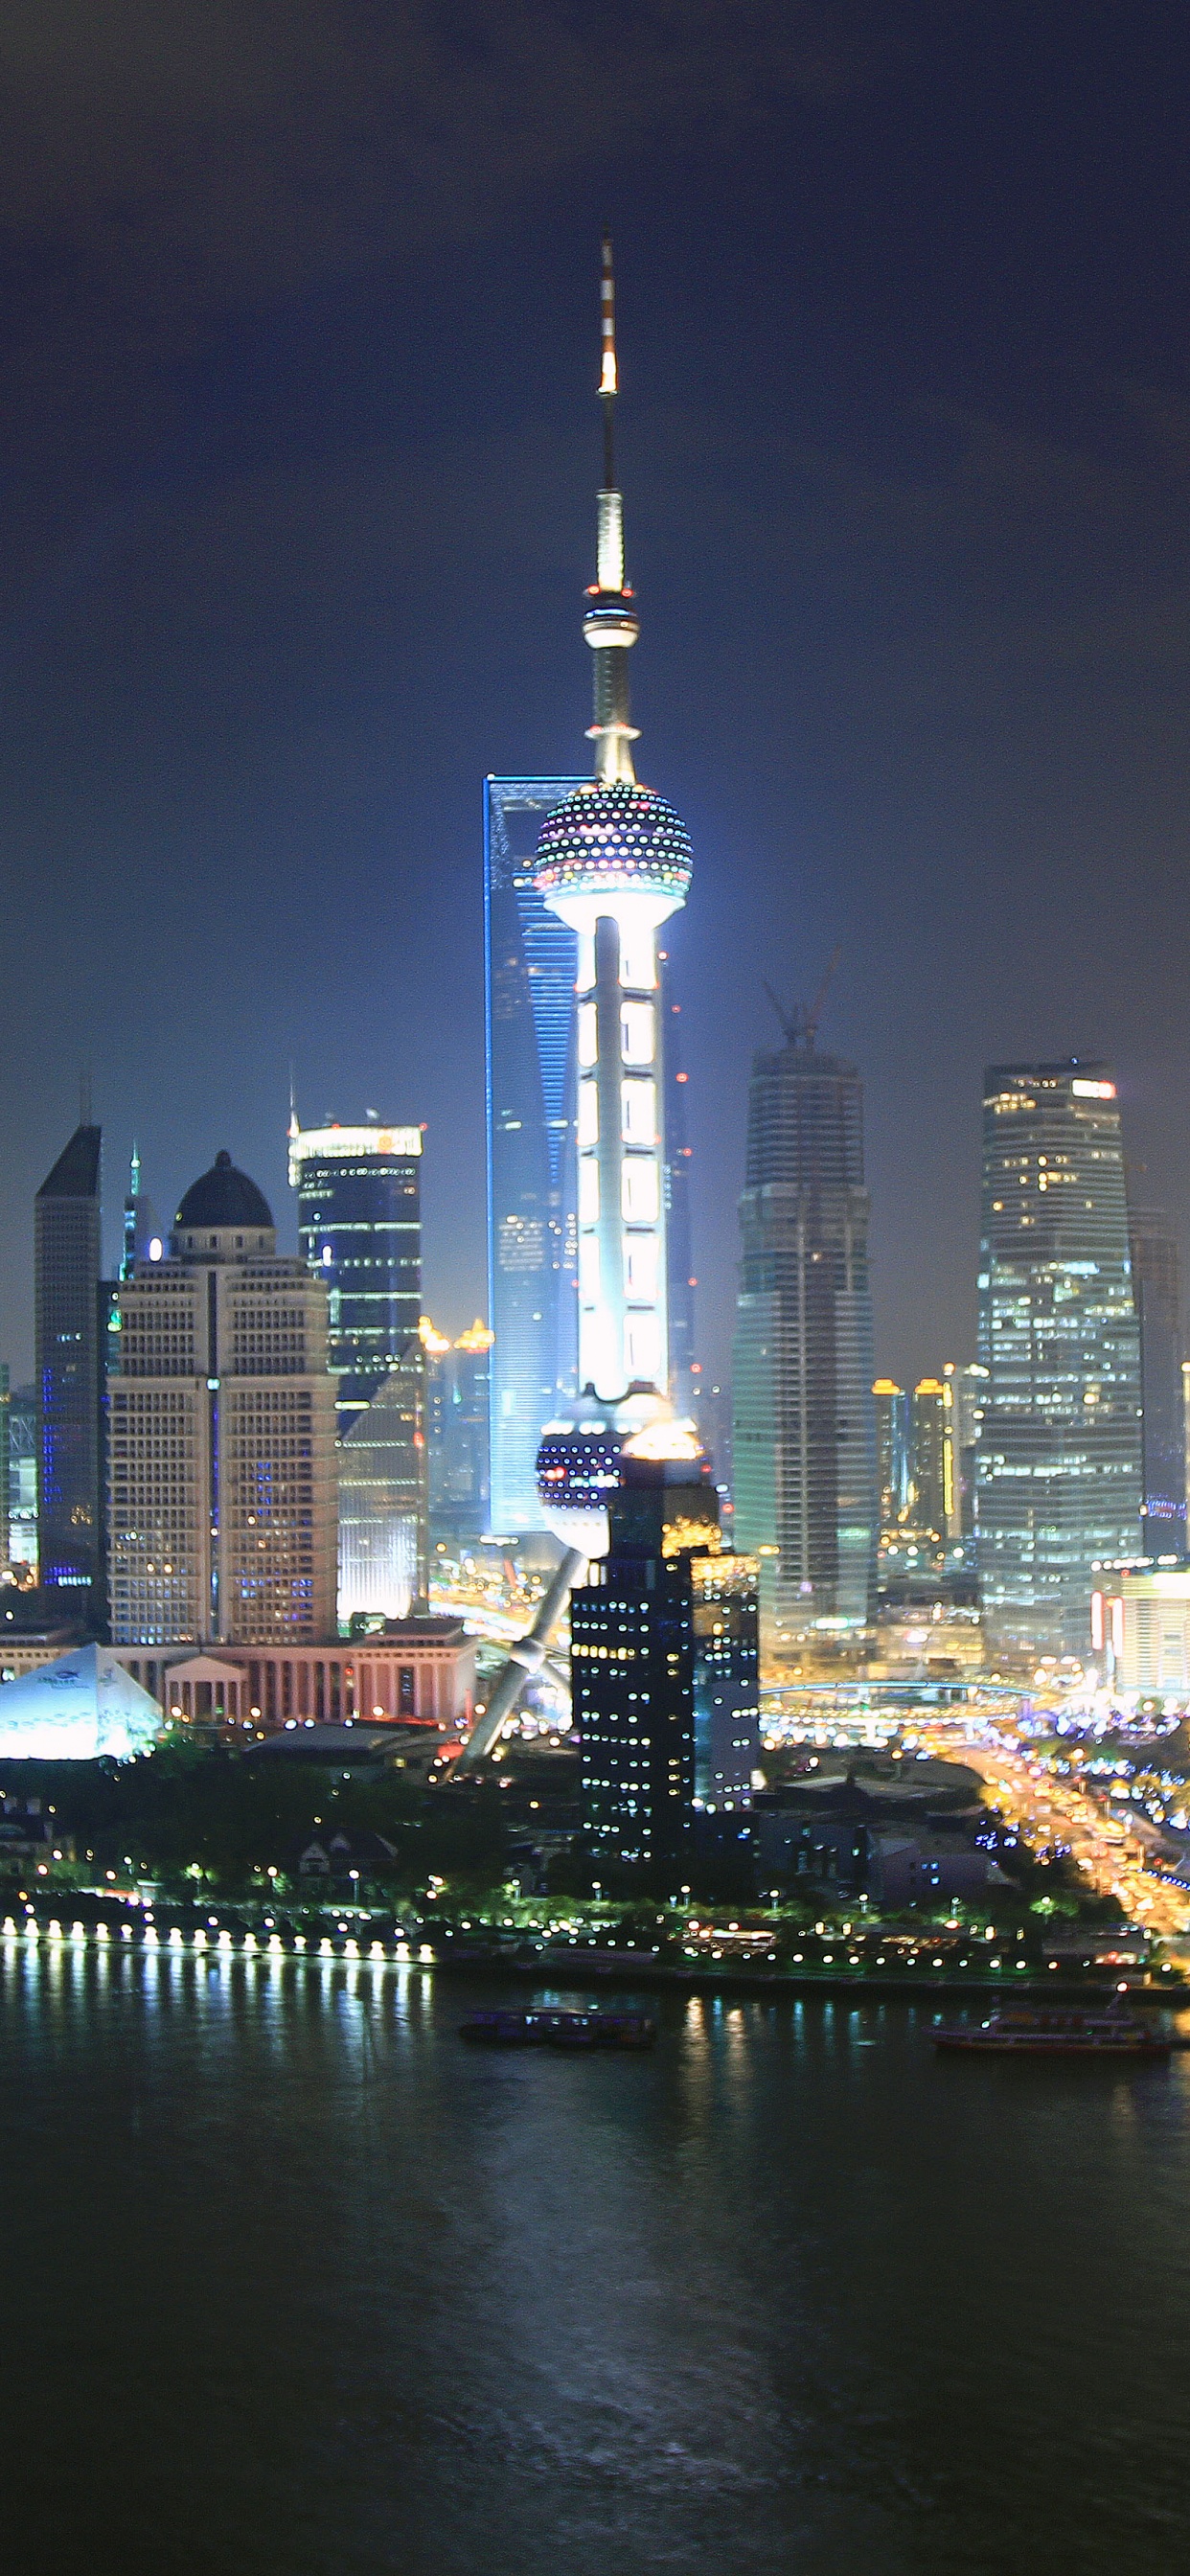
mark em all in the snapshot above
pixel 909 515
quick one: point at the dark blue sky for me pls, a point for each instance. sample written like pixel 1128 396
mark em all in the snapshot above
pixel 299 447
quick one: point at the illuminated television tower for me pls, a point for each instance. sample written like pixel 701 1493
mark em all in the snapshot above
pixel 614 861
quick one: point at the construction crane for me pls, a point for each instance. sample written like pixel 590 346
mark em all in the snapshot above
pixel 800 1025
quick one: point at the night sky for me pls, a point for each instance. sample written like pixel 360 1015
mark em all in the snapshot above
pixel 298 305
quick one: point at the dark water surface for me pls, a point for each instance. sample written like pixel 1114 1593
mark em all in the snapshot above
pixel 296 2283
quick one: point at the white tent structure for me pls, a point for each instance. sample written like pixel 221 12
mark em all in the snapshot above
pixel 81 1705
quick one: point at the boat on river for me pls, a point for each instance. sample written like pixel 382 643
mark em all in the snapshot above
pixel 541 2026
pixel 1020 2033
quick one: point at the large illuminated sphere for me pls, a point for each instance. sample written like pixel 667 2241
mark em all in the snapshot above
pixel 578 1469
pixel 612 839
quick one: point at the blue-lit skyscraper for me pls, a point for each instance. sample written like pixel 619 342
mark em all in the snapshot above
pixel 1059 1455
pixel 530 959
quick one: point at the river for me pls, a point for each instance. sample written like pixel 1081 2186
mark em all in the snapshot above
pixel 298 2285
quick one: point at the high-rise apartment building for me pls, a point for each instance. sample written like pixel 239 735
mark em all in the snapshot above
pixel 1157 1292
pixel 1059 1458
pixel 805 1432
pixel 663 1663
pixel 66 1262
pixel 221 1434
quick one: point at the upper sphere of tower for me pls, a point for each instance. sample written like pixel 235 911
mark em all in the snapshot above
pixel 611 838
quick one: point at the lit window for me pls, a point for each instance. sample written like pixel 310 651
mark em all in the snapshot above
pixel 639 1191
pixel 638 1112
pixel 588 1037
pixel 637 1032
pixel 588 1113
pixel 641 1255
pixel 588 1190
pixel 588 1267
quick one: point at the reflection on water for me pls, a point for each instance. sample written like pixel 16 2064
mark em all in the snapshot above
pixel 297 2283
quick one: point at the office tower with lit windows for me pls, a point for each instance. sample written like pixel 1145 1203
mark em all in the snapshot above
pixel 359 1231
pixel 221 1434
pixel 359 1228
pixel 663 1664
pixel 804 1442
pixel 1157 1294
pixel 66 1258
pixel 891 1409
pixel 929 1463
pixel 1059 1457
pixel 963 1400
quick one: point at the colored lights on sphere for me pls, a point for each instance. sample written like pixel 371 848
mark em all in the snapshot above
pixel 613 836
pixel 578 1469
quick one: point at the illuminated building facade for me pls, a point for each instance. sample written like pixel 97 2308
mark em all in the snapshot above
pixel 1157 1291
pixel 22 1484
pixel 66 1259
pixel 663 1664
pixel 458 1390
pixel 891 1408
pixel 1059 1456
pixel 359 1231
pixel 530 958
pixel 930 1463
pixel 221 1434
pixel 805 1428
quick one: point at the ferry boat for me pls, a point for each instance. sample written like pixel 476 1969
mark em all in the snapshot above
pixel 1021 2033
pixel 543 2027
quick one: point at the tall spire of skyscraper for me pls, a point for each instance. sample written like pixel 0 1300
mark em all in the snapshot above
pixel 610 624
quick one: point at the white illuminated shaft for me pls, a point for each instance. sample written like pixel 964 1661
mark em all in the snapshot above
pixel 622 1332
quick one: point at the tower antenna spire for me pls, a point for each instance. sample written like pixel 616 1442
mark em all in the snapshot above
pixel 610 623
pixel 609 384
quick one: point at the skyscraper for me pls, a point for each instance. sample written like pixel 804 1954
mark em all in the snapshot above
pixel 66 1258
pixel 805 1433
pixel 893 1479
pixel 1156 1288
pixel 457 1398
pixel 221 1414
pixel 663 1662
pixel 1059 1458
pixel 359 1228
pixel 928 1458
pixel 530 957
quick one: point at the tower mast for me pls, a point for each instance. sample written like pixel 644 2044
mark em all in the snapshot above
pixel 610 624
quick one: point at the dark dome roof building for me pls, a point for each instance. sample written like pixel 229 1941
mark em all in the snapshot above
pixel 223 1202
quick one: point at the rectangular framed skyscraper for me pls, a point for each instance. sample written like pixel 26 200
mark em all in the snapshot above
pixel 530 961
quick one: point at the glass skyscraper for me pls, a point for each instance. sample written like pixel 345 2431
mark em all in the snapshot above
pixel 530 960
pixel 1059 1457
pixel 66 1258
pixel 805 1430
pixel 1156 1288
pixel 359 1229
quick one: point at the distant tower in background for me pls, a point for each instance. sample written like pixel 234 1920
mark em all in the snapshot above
pixel 928 1458
pixel 457 1397
pixel 891 1408
pixel 359 1231
pixel 1059 1461
pixel 1157 1292
pixel 805 1430
pixel 139 1224
pixel 66 1266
